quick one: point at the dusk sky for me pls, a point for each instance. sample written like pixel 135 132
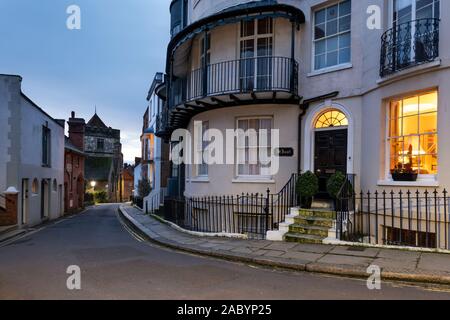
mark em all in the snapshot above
pixel 109 63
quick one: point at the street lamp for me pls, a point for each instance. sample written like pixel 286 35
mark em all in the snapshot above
pixel 93 184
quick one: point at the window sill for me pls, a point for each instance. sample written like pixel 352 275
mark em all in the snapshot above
pixel 419 183
pixel 199 180
pixel 407 72
pixel 330 69
pixel 255 180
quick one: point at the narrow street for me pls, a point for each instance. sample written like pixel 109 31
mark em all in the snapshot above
pixel 115 265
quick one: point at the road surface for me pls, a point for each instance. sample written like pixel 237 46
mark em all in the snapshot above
pixel 116 265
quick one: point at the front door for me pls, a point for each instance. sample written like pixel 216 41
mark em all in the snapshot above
pixel 330 156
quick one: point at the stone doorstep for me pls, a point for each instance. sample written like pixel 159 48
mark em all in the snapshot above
pixel 316 262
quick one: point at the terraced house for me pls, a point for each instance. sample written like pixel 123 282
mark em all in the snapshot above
pixel 364 101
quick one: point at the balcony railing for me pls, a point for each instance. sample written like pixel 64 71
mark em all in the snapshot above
pixel 251 75
pixel 409 44
pixel 161 122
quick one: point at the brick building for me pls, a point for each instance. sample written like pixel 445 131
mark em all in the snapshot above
pixel 74 163
pixel 127 182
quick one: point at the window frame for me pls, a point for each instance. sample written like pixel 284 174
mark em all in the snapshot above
pixel 46 147
pixel 202 145
pixel 314 41
pixel 387 140
pixel 255 37
pixel 236 148
pixel 97 144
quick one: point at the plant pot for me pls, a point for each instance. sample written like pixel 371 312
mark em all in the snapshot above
pixel 409 177
pixel 307 202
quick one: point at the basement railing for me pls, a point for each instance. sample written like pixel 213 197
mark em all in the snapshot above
pixel 409 44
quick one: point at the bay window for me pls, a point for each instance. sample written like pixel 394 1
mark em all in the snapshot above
pixel 413 139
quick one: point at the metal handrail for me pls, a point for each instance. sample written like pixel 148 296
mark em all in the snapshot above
pixel 248 75
pixel 409 44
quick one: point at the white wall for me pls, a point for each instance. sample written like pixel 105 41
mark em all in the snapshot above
pixel 31 155
pixel 21 150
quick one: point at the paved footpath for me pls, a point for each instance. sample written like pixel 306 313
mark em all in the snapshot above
pixel 337 260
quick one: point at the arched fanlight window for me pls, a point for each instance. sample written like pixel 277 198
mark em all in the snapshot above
pixel 331 119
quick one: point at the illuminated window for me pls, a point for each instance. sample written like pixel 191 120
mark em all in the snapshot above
pixel 331 119
pixel 413 136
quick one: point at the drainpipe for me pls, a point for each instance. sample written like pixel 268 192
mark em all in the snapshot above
pixel 304 106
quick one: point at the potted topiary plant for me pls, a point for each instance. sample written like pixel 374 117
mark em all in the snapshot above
pixel 307 188
pixel 335 183
pixel 334 186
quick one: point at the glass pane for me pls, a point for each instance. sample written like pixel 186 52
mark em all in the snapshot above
pixel 333 118
pixel 264 47
pixel 319 31
pixel 428 123
pixel 402 11
pixel 320 62
pixel 396 146
pixel 332 27
pixel 247 28
pixel 344 40
pixel 410 125
pixel 332 44
pixel 344 55
pixel 428 164
pixel 320 17
pixel 265 26
pixel 320 47
pixel 332 12
pixel 429 144
pixel 395 109
pixel 428 102
pixel 411 106
pixel 395 127
pixel 345 7
pixel 332 59
pixel 344 24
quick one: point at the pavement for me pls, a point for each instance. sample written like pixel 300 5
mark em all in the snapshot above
pixel 349 261
pixel 116 263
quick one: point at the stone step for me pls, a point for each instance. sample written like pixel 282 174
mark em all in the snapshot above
pixel 314 222
pixel 323 204
pixel 326 214
pixel 303 238
pixel 310 230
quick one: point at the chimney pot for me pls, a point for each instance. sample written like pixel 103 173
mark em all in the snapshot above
pixel 73 114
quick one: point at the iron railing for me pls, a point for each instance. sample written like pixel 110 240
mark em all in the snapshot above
pixel 250 214
pixel 155 201
pixel 404 218
pixel 161 122
pixel 345 203
pixel 248 75
pixel 409 44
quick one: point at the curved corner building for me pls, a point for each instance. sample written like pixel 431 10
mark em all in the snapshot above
pixel 348 90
